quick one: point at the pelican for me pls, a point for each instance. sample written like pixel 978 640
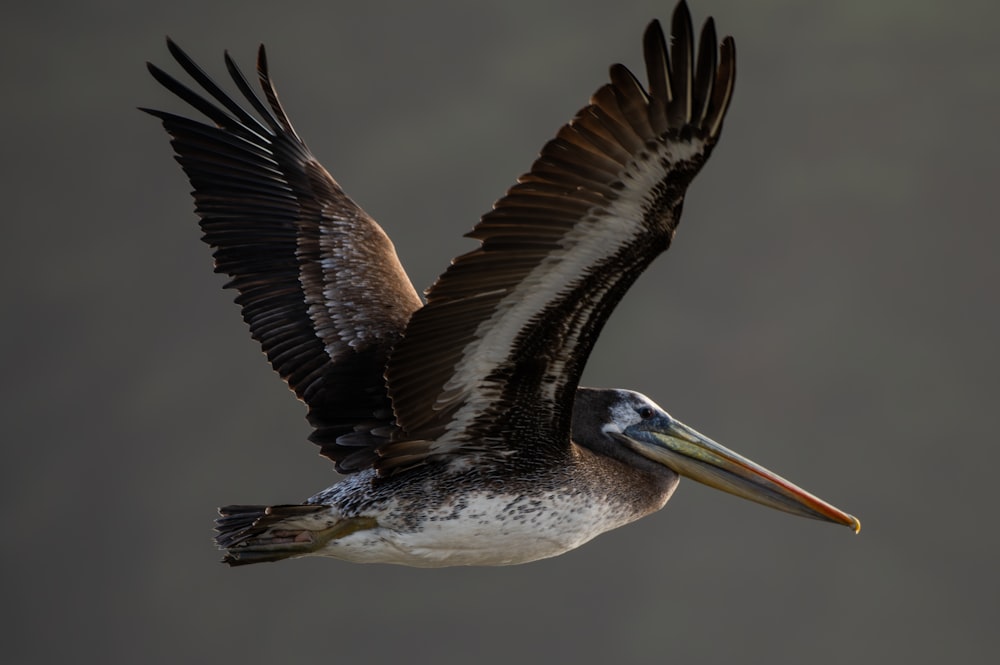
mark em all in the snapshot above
pixel 460 423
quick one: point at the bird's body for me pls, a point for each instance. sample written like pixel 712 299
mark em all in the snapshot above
pixel 460 422
pixel 461 513
pixel 472 517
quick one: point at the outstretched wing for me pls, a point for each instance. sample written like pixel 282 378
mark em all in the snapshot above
pixel 319 281
pixel 490 365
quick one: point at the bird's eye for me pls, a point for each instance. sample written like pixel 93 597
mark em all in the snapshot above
pixel 645 412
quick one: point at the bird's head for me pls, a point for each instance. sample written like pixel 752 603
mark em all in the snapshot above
pixel 631 422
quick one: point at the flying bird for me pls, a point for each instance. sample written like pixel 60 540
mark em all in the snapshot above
pixel 459 422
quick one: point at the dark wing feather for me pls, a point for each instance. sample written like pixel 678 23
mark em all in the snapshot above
pixel 319 282
pixel 490 365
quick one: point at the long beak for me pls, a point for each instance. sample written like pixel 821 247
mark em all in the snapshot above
pixel 695 456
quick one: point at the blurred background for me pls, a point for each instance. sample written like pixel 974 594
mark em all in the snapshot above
pixel 829 309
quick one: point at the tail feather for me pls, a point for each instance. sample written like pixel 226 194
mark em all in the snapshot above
pixel 257 534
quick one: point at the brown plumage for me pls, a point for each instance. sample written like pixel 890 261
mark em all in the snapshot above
pixel 455 414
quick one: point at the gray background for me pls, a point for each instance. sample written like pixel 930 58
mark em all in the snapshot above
pixel 829 309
